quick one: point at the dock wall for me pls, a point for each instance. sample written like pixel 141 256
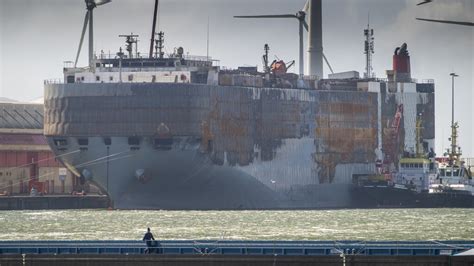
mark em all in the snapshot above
pixel 229 260
pixel 53 202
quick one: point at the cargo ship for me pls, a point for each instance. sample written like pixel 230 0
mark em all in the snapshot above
pixel 179 132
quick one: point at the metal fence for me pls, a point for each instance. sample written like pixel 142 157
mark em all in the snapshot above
pixel 200 247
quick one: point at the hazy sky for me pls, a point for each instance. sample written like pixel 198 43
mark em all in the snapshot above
pixel 38 35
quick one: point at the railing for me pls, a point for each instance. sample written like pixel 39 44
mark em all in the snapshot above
pixel 190 247
pixel 469 162
pixel 107 56
pixel 427 81
pixel 53 81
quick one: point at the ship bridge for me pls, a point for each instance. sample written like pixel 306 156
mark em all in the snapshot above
pixel 109 68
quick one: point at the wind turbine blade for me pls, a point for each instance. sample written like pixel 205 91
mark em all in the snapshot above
pixel 86 20
pixel 306 6
pixel 424 2
pixel 327 62
pixel 305 25
pixel 448 22
pixel 268 16
pixel 101 2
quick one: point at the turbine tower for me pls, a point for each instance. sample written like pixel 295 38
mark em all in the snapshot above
pixel 315 38
pixel 88 19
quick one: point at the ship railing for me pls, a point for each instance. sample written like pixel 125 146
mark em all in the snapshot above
pixel 469 162
pixel 53 81
pixel 199 58
pixel 427 81
pixel 106 56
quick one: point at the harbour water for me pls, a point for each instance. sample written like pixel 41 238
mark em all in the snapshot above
pixel 380 224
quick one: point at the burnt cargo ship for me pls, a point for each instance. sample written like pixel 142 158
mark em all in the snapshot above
pixel 178 132
pixel 194 143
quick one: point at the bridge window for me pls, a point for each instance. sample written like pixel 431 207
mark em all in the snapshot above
pixel 107 141
pixel 134 141
pixel 60 142
pixel 83 141
pixel 130 77
pixel 97 78
pixel 163 143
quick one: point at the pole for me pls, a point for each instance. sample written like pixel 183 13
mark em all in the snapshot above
pixel 453 129
pixel 153 29
pixel 207 44
pixel 301 49
pixel 91 37
pixel 453 75
pixel 108 147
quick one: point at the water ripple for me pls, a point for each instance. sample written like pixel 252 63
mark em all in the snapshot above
pixel 383 224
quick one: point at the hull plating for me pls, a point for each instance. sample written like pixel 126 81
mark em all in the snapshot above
pixel 227 147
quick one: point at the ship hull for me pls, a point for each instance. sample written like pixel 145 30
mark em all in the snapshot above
pixel 188 146
pixel 390 197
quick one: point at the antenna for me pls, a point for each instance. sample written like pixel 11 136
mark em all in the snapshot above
pixel 207 47
pixel 159 45
pixel 130 39
pixel 266 69
pixel 455 153
pixel 369 49
pixel 153 29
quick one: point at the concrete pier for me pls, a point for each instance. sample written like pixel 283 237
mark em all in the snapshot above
pixel 232 260
pixel 207 252
pixel 53 202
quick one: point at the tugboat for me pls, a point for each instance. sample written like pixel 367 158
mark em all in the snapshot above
pixel 453 185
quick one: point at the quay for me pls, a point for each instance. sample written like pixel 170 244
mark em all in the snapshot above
pixel 207 252
pixel 53 202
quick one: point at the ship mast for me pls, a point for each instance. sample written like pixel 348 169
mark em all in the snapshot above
pixel 153 29
pixel 455 152
pixel 419 129
pixel 368 50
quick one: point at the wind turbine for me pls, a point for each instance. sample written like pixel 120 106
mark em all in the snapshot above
pixel 424 2
pixel 90 5
pixel 301 17
pixel 463 23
